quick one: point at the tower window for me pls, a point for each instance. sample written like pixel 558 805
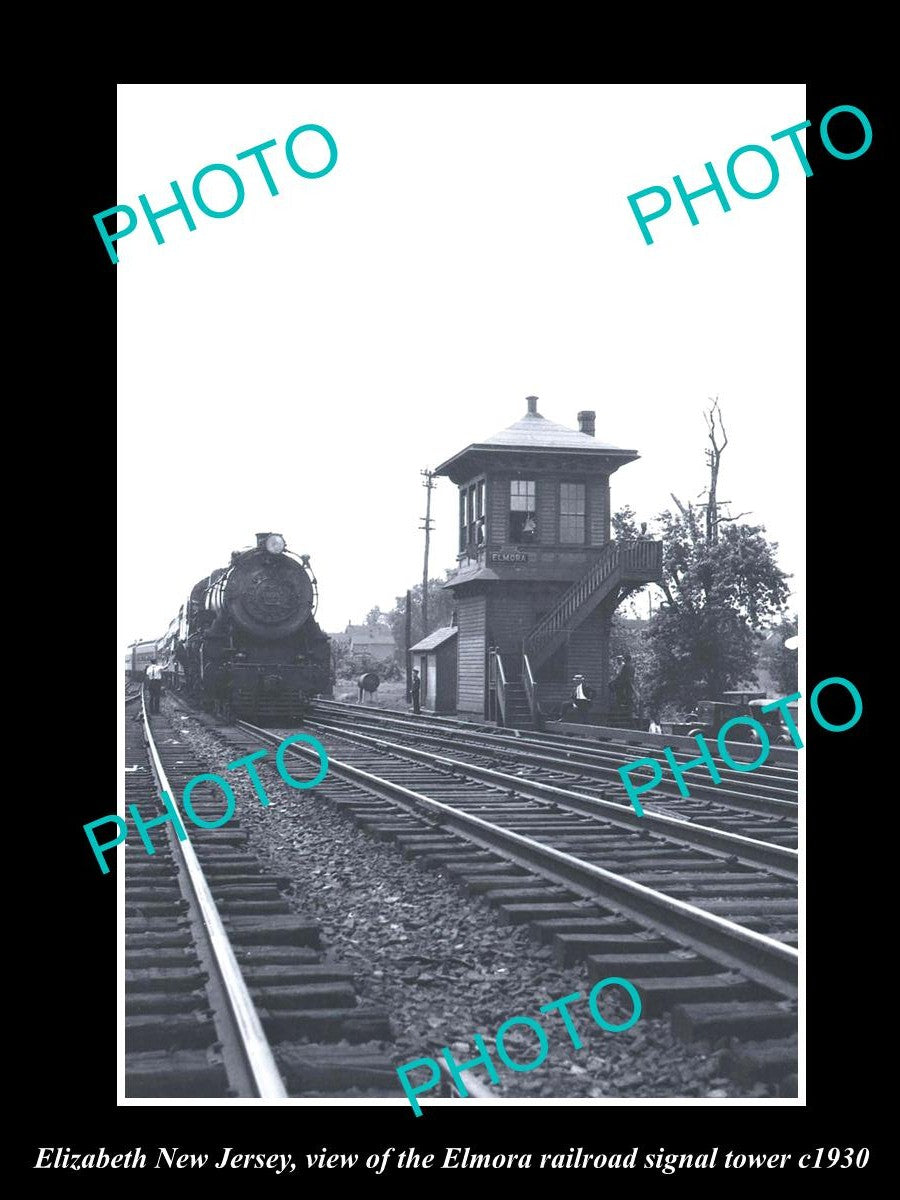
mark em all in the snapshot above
pixel 476 516
pixel 471 516
pixel 571 513
pixel 522 511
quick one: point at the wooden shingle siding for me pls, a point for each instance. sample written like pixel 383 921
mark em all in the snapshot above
pixel 548 509
pixel 446 686
pixel 597 516
pixel 471 616
pixel 588 654
pixel 513 613
pixel 585 653
pixel 498 508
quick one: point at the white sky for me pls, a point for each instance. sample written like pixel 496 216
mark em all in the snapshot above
pixel 294 366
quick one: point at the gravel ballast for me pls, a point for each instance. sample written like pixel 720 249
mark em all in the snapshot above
pixel 440 961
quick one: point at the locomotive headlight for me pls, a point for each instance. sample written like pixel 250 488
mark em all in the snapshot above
pixel 275 543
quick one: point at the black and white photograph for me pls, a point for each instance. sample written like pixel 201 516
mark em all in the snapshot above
pixel 469 663
pixel 476 704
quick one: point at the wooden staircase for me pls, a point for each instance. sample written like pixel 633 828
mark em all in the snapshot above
pixel 513 705
pixel 518 710
pixel 620 563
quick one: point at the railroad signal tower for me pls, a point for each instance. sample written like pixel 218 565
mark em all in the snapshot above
pixel 537 577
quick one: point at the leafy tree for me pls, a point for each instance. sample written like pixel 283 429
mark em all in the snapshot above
pixel 342 667
pixel 780 662
pixel 630 635
pixel 717 594
pixel 624 524
pixel 375 617
pixel 384 668
pixel 721 584
pixel 440 613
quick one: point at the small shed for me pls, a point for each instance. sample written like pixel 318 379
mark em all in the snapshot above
pixel 435 660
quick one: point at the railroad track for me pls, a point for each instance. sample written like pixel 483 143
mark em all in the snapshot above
pixel 228 992
pixel 765 809
pixel 703 921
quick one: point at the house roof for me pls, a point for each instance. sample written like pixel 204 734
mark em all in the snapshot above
pixel 435 639
pixel 537 434
pixel 370 635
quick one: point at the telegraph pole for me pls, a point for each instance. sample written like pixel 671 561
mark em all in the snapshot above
pixel 408 640
pixel 428 485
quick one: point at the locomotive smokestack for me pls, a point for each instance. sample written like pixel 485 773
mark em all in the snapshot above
pixel 586 421
pixel 532 405
pixel 261 540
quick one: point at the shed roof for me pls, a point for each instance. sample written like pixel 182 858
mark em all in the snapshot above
pixel 435 639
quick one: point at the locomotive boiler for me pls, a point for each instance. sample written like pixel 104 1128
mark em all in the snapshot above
pixel 249 645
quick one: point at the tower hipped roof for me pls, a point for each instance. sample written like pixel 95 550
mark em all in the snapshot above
pixel 534 433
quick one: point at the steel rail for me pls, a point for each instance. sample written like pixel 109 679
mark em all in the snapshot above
pixel 475 1088
pixel 765 961
pixel 551 731
pixel 593 756
pixel 549 739
pixel 550 734
pixel 779 860
pixel 727 796
pixel 241 1018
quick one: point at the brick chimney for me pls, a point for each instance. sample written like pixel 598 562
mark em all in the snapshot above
pixel 586 422
pixel 532 405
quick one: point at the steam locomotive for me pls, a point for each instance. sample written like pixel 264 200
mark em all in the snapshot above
pixel 246 642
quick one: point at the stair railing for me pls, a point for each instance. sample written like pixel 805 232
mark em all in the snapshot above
pixel 530 688
pixel 644 556
pixel 501 687
pixel 570 601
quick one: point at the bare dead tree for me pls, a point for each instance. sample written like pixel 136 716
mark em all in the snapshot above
pixel 684 511
pixel 713 459
pixel 690 518
pixel 721 520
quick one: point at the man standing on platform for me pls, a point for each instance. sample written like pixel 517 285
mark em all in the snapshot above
pixel 625 687
pixel 154 683
pixel 415 690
